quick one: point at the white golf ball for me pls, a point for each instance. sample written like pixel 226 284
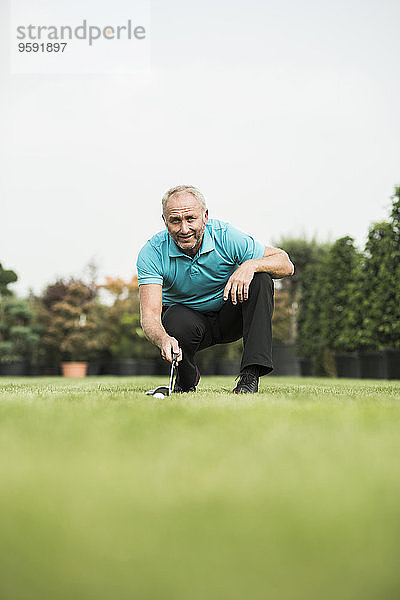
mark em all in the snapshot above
pixel 159 395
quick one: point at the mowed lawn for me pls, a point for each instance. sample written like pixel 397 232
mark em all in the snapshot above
pixel 289 494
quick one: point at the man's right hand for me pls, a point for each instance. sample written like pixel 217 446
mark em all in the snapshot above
pixel 170 346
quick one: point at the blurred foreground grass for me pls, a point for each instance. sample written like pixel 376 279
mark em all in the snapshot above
pixel 106 493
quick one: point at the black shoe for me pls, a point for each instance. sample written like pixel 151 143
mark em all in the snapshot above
pixel 248 382
pixel 178 389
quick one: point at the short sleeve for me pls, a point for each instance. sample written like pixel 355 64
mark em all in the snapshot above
pixel 242 246
pixel 149 267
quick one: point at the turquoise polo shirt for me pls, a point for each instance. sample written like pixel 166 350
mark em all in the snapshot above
pixel 196 282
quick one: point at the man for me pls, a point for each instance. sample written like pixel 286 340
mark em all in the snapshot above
pixel 203 282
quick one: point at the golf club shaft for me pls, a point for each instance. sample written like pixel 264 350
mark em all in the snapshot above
pixel 173 367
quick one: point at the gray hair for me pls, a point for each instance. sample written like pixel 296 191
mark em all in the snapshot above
pixel 184 188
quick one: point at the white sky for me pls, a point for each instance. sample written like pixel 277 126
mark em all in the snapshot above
pixel 285 113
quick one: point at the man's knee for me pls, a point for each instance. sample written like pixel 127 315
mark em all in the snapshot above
pixel 184 324
pixel 262 281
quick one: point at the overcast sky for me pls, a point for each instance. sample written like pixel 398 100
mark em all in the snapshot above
pixel 285 113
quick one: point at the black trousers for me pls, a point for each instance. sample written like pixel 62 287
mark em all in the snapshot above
pixel 250 319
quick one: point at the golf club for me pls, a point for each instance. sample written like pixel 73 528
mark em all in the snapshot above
pixel 163 390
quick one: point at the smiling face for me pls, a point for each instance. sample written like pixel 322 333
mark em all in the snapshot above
pixel 185 221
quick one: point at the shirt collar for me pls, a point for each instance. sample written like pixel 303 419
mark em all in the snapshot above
pixel 207 245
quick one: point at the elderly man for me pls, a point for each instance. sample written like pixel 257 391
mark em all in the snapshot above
pixel 203 282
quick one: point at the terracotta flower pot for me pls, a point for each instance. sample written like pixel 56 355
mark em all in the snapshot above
pixel 74 369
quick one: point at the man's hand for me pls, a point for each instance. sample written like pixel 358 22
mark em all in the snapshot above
pixel 169 346
pixel 275 261
pixel 239 282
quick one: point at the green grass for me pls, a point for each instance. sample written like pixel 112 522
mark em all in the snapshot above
pixel 107 493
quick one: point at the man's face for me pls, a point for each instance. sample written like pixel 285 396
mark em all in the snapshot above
pixel 185 221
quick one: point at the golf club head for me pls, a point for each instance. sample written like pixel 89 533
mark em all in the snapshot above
pixel 161 389
pixel 166 389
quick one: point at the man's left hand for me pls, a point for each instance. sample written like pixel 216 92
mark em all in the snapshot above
pixel 238 283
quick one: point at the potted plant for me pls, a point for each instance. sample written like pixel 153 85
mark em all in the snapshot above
pixel 70 333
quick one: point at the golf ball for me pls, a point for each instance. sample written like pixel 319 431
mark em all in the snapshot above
pixel 158 395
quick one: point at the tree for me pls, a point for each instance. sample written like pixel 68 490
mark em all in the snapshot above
pixel 330 312
pixel 310 336
pixel 395 213
pixel 121 321
pixel 303 253
pixel 395 258
pixel 18 337
pixel 381 282
pixel 6 277
pixel 341 311
pixel 281 320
